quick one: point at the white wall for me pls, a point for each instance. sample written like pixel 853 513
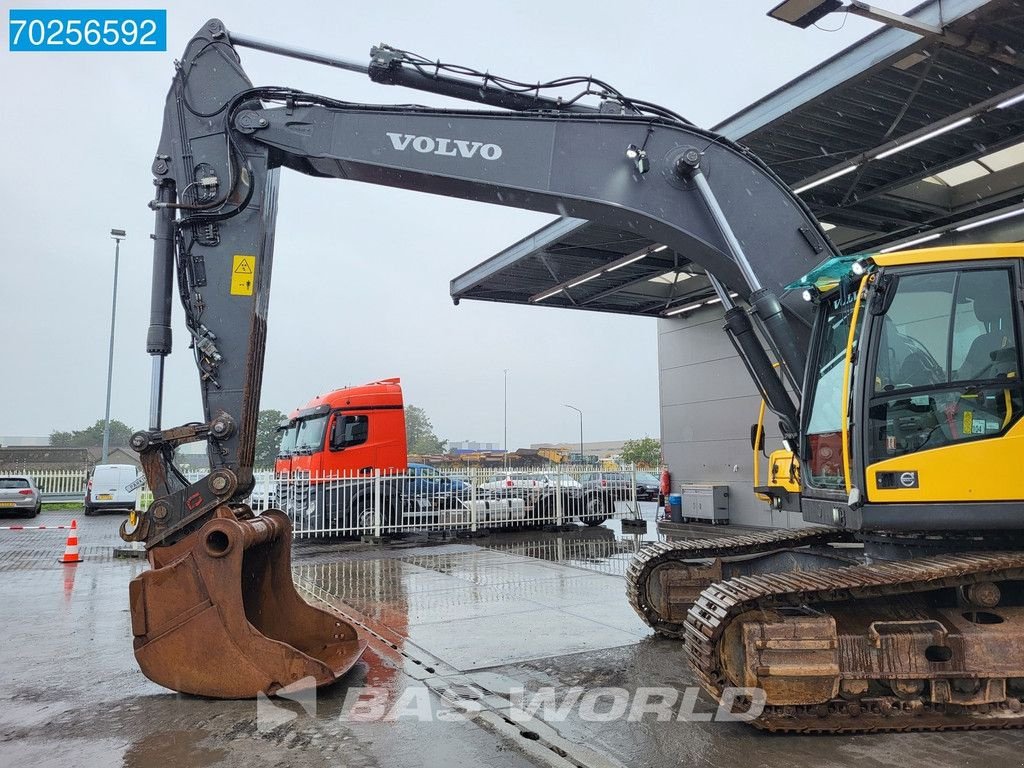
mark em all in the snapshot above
pixel 707 406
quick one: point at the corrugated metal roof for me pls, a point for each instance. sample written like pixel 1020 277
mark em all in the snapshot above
pixel 880 94
pixel 914 90
pixel 570 248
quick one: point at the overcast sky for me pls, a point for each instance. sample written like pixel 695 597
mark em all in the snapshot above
pixel 361 272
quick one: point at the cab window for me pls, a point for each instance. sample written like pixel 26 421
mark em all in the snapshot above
pixel 824 442
pixel 947 364
pixel 349 431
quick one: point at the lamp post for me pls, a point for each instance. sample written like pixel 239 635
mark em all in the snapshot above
pixel 803 13
pixel 118 235
pixel 505 443
pixel 581 428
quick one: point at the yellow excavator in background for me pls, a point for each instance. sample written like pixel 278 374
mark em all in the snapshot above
pixel 895 380
pixel 554 455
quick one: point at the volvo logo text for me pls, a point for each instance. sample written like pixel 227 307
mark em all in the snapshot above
pixel 428 145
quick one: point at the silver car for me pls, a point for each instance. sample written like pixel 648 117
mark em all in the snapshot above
pixel 264 495
pixel 18 493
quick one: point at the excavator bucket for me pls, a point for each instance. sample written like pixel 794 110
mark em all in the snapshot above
pixel 218 615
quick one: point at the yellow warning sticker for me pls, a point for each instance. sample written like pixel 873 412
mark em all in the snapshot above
pixel 243 275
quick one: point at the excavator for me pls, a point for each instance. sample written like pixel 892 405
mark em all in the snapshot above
pixel 894 378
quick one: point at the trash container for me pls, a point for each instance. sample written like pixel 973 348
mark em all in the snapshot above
pixel 675 507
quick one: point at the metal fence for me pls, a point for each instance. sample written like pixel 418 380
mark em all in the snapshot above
pixel 469 499
pixel 59 484
pixel 472 499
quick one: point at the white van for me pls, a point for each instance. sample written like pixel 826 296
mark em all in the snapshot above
pixel 112 486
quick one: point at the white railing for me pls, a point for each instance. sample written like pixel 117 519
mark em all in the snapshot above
pixel 64 483
pixel 471 499
pixel 467 499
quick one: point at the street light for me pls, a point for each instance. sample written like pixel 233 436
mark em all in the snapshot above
pixel 581 427
pixel 118 235
pixel 505 443
pixel 803 13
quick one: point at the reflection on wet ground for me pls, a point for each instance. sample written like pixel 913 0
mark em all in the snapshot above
pixel 597 549
pixel 73 693
pixel 539 609
pixel 463 603
pixel 529 609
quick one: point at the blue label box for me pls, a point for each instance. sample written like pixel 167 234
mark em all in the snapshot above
pixel 77 30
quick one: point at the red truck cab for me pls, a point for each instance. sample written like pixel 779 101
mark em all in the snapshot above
pixel 349 431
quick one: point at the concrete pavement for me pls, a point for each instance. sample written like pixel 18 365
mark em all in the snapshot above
pixel 524 609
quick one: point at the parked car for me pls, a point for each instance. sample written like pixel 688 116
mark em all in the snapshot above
pixel 618 484
pixel 507 482
pixel 112 487
pixel 567 481
pixel 540 490
pixel 427 481
pixel 19 493
pixel 264 495
pixel 648 486
pixel 529 480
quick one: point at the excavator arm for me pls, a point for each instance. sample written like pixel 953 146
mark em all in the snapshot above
pixel 627 164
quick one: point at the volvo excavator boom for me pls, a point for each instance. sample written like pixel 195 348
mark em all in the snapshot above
pixel 828 634
pixel 905 611
pixel 217 614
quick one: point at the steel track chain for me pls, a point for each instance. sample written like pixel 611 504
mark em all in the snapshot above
pixel 720 603
pixel 648 559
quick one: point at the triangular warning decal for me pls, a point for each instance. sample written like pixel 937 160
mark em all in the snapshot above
pixel 243 274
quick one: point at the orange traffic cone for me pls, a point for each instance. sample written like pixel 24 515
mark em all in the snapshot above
pixel 71 555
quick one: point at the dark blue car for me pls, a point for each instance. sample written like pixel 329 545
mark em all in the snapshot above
pixel 427 481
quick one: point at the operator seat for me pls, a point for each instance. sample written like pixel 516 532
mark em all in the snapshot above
pixel 903 361
pixel 985 358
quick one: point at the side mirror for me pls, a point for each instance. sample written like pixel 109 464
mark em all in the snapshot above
pixel 756 438
pixel 338 433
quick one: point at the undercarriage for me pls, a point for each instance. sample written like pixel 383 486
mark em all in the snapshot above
pixel 835 642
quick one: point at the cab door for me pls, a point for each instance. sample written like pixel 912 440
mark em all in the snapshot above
pixel 941 397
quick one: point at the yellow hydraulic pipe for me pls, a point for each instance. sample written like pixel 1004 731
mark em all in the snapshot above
pixel 757 439
pixel 847 367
